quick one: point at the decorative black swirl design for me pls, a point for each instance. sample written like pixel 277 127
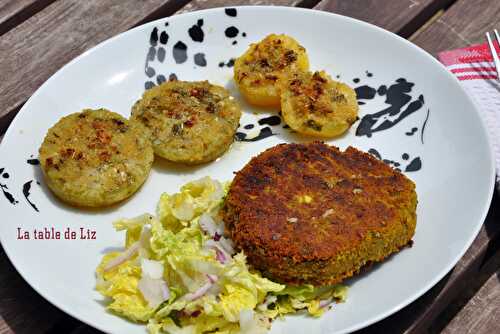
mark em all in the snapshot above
pixel 411 132
pixel 229 63
pixel 196 32
pixel 199 59
pixel 179 52
pixel 26 193
pixel 414 165
pixel 263 133
pixel 271 120
pixel 26 189
pixel 423 126
pixel 157 51
pixel 231 32
pixel 266 131
pixel 5 188
pixel 398 97
pixel 231 12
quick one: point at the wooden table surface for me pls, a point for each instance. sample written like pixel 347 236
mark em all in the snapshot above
pixel 37 37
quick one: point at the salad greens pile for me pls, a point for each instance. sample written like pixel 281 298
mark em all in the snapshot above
pixel 179 274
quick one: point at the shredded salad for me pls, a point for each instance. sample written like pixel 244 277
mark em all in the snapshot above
pixel 180 274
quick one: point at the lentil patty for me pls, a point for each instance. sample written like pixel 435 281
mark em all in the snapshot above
pixel 95 158
pixel 309 213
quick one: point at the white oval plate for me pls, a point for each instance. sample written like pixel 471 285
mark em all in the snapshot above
pixel 415 115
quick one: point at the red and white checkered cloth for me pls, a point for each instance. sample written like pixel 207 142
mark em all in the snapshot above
pixel 474 68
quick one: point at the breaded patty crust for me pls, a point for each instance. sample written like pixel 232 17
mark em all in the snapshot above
pixel 188 122
pixel 95 158
pixel 309 213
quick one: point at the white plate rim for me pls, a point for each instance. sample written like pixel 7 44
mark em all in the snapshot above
pixel 348 20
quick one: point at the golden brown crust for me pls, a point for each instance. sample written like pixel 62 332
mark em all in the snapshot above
pixel 258 71
pixel 314 104
pixel 188 122
pixel 309 213
pixel 95 158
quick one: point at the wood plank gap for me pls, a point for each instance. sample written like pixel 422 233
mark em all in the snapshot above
pixel 481 313
pixel 417 317
pixel 308 3
pixel 400 17
pixel 166 10
pixel 37 314
pixel 462 24
pixel 424 16
pixel 23 14
pixel 433 19
pixel 490 265
pixel 206 4
pixel 468 270
pixel 7 119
